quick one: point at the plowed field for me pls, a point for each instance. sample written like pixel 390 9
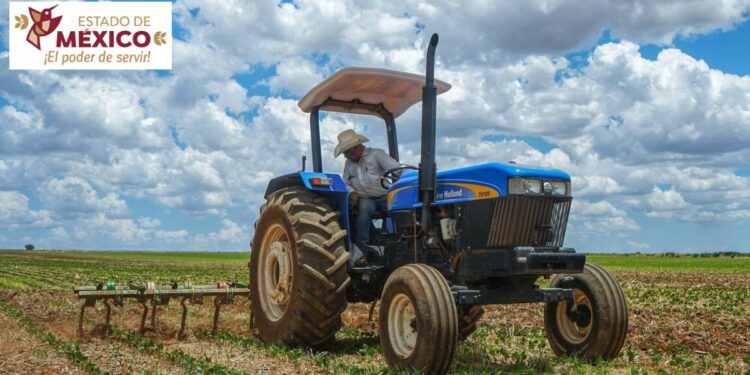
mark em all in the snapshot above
pixel 687 315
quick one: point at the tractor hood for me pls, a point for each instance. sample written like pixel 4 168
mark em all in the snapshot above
pixel 481 181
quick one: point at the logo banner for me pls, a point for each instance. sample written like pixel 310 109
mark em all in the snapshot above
pixel 90 35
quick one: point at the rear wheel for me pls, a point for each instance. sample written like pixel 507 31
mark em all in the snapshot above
pixel 418 320
pixel 298 276
pixel 599 327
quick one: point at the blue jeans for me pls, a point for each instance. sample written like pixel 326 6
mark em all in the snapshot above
pixel 366 207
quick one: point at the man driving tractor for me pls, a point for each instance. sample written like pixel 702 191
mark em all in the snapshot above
pixel 362 171
pixel 453 240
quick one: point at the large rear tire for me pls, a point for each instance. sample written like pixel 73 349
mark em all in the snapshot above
pixel 298 275
pixel 601 322
pixel 418 320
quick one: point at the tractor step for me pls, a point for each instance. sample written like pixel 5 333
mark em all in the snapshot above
pixel 367 269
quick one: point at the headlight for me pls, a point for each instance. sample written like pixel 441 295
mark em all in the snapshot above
pixel 525 186
pixel 530 186
pixel 560 188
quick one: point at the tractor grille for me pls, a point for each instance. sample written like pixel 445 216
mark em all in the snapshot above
pixel 529 221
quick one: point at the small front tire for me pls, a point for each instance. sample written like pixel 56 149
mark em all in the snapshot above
pixel 418 320
pixel 600 325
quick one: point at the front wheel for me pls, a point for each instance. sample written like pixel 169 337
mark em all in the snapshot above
pixel 418 320
pixel 600 324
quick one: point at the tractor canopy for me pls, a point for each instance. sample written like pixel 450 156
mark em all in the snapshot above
pixel 363 90
pixel 371 91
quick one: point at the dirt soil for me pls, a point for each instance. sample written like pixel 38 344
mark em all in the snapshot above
pixel 23 353
pixel 696 324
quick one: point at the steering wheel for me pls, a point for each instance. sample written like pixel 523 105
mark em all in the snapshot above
pixel 390 176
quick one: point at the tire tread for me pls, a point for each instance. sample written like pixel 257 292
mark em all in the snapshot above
pixel 609 300
pixel 438 300
pixel 318 239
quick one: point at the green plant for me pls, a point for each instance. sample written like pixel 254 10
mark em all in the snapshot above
pixel 71 349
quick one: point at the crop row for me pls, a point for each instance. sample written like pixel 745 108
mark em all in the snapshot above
pixel 706 300
pixel 34 273
pixel 367 354
pixel 71 349
pixel 191 364
pixel 680 322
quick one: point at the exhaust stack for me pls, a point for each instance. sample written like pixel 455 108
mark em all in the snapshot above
pixel 427 168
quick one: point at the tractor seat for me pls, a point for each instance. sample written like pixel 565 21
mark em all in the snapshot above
pixel 379 215
pixel 381 218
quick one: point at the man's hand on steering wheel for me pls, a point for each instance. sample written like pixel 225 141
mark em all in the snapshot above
pixel 392 175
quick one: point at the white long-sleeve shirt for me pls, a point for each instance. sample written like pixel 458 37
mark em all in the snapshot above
pixel 363 177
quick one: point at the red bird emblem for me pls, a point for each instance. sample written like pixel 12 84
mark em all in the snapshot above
pixel 43 25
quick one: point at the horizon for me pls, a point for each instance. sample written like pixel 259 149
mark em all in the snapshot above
pixel 661 253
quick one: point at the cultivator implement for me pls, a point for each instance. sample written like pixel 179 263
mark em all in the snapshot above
pixel 151 295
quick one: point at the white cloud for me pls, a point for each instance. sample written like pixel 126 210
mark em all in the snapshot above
pixel 119 233
pixel 635 245
pixel 195 141
pixel 207 126
pixel 582 207
pixel 123 230
pixel 172 236
pixel 296 76
pixel 59 234
pixel 533 27
pixel 149 223
pixel 620 106
pixel 16 213
pixel 599 218
pixel 675 107
pixel 665 200
pixel 479 32
pixel 73 197
pixel 274 32
pixel 230 232
pixel 693 194
pixel 596 186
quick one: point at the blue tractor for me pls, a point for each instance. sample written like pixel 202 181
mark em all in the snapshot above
pixel 450 242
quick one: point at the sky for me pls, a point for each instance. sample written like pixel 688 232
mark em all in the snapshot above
pixel 645 103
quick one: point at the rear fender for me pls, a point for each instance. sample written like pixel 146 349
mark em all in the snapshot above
pixel 336 193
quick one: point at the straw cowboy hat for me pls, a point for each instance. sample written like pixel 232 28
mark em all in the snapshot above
pixel 348 139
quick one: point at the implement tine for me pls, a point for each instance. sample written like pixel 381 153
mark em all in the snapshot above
pixel 109 311
pixel 252 321
pixel 80 320
pixel 143 316
pixel 181 335
pixel 114 295
pixel 217 307
pixel 88 302
pixel 372 310
pixel 153 315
